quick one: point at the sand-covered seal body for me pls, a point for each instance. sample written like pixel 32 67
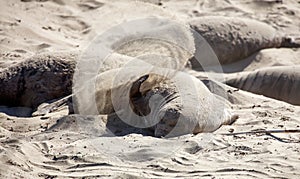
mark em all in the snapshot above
pixel 234 39
pixel 38 79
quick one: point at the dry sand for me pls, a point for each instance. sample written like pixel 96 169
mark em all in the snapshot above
pixel 80 146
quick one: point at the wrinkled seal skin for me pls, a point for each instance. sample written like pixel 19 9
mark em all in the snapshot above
pixel 281 83
pixel 38 79
pixel 234 39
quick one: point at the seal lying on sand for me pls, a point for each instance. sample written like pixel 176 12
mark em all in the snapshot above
pixel 281 82
pixel 38 79
pixel 171 103
pixel 234 39
pixel 186 105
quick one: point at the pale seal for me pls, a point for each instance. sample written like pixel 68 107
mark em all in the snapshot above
pixel 170 104
pixel 186 107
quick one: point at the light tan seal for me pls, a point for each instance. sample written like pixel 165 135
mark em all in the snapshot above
pixel 170 104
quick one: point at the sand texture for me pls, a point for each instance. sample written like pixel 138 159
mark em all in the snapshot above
pixel 253 56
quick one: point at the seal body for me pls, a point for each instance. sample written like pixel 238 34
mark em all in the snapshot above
pixel 171 103
pixel 281 82
pixel 37 79
pixel 234 39
pixel 181 104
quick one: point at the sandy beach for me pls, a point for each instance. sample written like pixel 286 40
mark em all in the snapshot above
pixel 256 47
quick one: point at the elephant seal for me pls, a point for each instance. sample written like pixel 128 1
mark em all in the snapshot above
pixel 38 79
pixel 184 106
pixel 170 103
pixel 234 39
pixel 282 83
